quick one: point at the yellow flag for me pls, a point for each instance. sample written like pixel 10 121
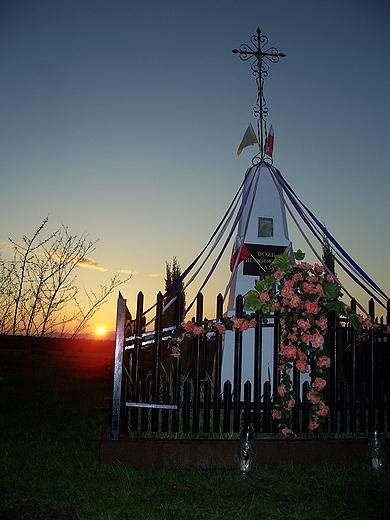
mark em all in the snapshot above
pixel 249 139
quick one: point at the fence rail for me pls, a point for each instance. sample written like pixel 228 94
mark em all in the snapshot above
pixel 155 393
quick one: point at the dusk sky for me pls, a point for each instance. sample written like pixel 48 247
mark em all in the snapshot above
pixel 123 118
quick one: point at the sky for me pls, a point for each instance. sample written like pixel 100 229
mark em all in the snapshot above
pixel 123 118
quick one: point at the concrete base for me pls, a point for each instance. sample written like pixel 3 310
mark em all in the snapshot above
pixel 220 453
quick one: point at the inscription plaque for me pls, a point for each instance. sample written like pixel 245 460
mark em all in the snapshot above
pixel 261 257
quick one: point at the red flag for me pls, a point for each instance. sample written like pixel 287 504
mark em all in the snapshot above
pixel 269 150
pixel 244 253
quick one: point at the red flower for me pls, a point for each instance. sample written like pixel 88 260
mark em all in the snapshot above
pixel 313 424
pixel 319 383
pixel 302 366
pixel 175 351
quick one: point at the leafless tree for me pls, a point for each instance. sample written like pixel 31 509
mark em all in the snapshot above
pixel 38 290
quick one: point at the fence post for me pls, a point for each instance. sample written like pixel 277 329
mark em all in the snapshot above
pixel 136 357
pixel 118 366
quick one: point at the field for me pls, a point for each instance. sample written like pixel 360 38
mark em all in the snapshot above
pixel 51 425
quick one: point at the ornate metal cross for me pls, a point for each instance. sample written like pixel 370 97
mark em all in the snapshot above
pixel 259 68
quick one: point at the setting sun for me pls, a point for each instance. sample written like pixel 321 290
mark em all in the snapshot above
pixel 101 330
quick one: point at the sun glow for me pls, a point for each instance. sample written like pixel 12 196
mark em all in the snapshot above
pixel 100 331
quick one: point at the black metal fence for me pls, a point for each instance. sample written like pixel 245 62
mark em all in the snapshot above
pixel 157 394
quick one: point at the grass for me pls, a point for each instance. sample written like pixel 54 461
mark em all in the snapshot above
pixel 49 442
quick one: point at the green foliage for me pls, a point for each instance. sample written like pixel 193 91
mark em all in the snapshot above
pixel 332 291
pixel 299 255
pixel 252 300
pixel 281 261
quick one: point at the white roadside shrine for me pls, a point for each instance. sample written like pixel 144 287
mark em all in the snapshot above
pixel 262 232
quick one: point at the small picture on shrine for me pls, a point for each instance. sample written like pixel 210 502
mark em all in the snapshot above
pixel 266 227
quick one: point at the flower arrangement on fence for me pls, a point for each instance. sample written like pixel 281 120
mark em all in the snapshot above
pixel 303 295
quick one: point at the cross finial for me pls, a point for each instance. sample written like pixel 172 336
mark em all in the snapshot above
pixel 259 68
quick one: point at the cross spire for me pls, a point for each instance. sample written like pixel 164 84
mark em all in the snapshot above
pixel 259 68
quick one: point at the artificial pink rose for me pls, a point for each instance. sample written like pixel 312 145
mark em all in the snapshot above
pixel 313 424
pixel 323 362
pixel 288 289
pixel 244 325
pixel 303 324
pixel 221 328
pixel 319 268
pixel 322 323
pixel 294 302
pixel 312 396
pixel 367 322
pixel 179 339
pixel 305 337
pixel 198 329
pixel 286 432
pixel 279 274
pixel 302 366
pixel 175 351
pixel 319 383
pixel 317 340
pixel 276 414
pixel 302 354
pixel 288 351
pixel 322 409
pixel 304 265
pixel 187 326
pixel 297 277
pixel 288 405
pixel 281 389
pixel 312 307
pixel 293 336
pixel 309 288
pixel 236 322
pixel 264 297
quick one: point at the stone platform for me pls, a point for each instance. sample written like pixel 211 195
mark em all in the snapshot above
pixel 220 453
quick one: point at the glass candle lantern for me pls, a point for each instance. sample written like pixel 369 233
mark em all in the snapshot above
pixel 376 449
pixel 246 450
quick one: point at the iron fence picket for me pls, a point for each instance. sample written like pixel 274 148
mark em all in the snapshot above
pixel 267 404
pixel 247 404
pixel 207 406
pixel 156 358
pixel 186 406
pixel 257 368
pixel 237 377
pixel 343 406
pixel 196 344
pixel 332 388
pixel 227 406
pixel 164 412
pixel 217 367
